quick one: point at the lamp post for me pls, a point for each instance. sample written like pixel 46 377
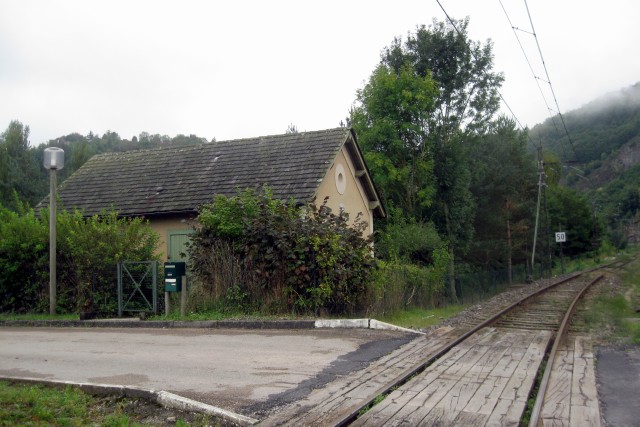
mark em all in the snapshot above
pixel 53 160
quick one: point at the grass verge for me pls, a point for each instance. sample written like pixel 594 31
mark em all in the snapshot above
pixel 222 315
pixel 38 316
pixel 413 318
pixel 617 312
pixel 419 318
pixel 40 405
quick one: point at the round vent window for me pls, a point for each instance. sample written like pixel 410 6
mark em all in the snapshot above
pixel 341 179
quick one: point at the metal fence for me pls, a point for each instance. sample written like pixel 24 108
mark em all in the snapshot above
pixel 474 287
pixel 137 287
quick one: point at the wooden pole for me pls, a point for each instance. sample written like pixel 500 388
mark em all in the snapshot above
pixel 183 297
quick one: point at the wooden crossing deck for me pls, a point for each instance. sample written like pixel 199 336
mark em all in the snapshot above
pixel 572 397
pixel 331 404
pixel 483 381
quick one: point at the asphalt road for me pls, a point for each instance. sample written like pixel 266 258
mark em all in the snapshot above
pixel 239 370
pixel 618 373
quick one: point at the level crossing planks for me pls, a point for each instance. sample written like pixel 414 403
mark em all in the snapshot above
pixel 485 380
pixel 572 397
pixel 335 401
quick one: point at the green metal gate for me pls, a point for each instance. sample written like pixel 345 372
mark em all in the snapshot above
pixel 137 287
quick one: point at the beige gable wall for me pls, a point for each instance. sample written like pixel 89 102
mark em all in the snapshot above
pixel 352 198
pixel 164 226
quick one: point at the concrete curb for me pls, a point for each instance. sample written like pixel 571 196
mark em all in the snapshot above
pixel 376 324
pixel 362 324
pixel 342 323
pixel 163 398
pixel 213 324
pixel 171 400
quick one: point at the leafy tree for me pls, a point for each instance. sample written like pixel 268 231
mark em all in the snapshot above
pixel 19 171
pixel 390 122
pixel 461 101
pixel 90 249
pixel 570 211
pixel 463 70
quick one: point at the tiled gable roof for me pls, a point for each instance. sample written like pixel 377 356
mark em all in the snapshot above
pixel 179 179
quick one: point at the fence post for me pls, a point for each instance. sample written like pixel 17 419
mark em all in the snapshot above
pixel 154 292
pixel 119 289
pixel 183 297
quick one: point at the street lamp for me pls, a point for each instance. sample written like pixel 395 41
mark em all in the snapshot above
pixel 53 160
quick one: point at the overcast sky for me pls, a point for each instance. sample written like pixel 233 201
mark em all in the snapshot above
pixel 238 69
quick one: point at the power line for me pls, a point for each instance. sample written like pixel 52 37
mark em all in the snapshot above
pixel 549 80
pixel 537 79
pixel 451 21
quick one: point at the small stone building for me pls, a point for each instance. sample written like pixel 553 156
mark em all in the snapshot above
pixel 167 185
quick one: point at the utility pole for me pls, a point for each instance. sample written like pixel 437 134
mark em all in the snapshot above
pixel 535 233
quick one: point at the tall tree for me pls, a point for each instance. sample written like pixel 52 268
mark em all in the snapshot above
pixel 503 185
pixel 19 170
pixel 467 101
pixel 391 122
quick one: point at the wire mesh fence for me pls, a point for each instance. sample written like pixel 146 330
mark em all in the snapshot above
pixel 474 287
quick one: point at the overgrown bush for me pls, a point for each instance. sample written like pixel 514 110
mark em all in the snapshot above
pixel 88 250
pixel 413 261
pixel 401 285
pixel 24 260
pixel 259 253
pixel 407 240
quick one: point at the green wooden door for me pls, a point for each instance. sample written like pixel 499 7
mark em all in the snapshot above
pixel 178 244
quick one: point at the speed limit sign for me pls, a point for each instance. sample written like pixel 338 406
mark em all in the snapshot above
pixel 561 237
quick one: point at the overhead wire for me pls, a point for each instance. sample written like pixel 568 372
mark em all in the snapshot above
pixel 553 93
pixel 537 79
pixel 504 101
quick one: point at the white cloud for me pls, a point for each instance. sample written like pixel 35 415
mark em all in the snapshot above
pixel 246 68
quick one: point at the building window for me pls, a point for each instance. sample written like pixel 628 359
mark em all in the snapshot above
pixel 341 179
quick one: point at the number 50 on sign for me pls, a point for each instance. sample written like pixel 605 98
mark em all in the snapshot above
pixel 561 236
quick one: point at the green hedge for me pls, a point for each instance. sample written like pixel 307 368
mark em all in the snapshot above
pixel 88 250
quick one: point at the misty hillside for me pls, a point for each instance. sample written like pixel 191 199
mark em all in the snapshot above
pixel 603 157
pixel 597 129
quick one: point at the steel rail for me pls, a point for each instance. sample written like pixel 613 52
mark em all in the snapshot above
pixel 405 377
pixel 564 328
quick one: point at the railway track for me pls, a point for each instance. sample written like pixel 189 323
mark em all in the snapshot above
pixel 482 377
pixel 494 367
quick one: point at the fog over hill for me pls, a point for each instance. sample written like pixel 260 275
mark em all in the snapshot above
pixel 625 98
pixel 597 130
pixel 602 159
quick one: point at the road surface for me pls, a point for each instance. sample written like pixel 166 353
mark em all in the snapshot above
pixel 239 370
